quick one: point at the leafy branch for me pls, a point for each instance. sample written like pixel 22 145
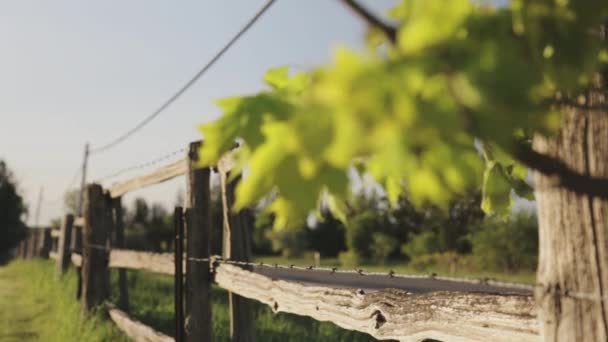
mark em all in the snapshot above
pixel 389 31
pixel 564 176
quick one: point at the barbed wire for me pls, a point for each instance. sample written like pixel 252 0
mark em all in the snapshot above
pixel 568 293
pixel 391 274
pixel 362 272
pixel 139 166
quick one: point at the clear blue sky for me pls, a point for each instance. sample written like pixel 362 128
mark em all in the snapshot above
pixel 73 71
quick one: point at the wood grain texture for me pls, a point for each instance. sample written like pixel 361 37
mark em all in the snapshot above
pixel 573 228
pixel 95 233
pixel 154 262
pixel 393 314
pixel 165 173
pixel 135 329
pixel 199 236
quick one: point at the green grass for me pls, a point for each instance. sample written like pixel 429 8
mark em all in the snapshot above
pixel 34 306
pixel 526 277
pixel 151 301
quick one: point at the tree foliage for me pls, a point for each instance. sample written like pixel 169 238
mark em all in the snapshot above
pixel 409 110
pixel 12 210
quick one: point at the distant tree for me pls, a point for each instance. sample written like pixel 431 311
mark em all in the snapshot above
pixel 328 236
pixel 382 245
pixel 12 211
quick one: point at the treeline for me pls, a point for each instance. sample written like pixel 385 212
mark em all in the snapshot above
pixel 459 237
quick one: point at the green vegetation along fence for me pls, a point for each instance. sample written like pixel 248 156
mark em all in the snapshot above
pixel 94 242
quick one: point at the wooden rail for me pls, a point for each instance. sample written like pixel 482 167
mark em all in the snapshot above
pixel 135 329
pixel 153 262
pixel 163 174
pixel 393 314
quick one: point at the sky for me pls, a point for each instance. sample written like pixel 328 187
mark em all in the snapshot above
pixel 75 71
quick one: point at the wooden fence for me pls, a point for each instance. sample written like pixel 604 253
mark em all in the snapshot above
pixel 94 244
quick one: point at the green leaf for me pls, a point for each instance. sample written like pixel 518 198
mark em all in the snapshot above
pixel 278 78
pixel 496 190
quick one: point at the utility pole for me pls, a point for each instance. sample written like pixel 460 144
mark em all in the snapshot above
pixel 37 220
pixel 83 181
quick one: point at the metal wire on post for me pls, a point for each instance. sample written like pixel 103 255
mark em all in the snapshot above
pixel 139 166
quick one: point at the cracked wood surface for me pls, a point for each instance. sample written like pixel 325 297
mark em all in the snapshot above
pixel 391 313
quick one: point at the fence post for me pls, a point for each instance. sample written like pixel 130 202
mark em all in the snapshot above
pixel 178 224
pixel 236 246
pixel 119 242
pixel 63 249
pixel 31 244
pixel 95 276
pixel 77 248
pixel 46 244
pixel 198 233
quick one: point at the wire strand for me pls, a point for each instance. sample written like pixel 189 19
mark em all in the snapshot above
pixel 361 272
pixel 141 165
pixel 188 84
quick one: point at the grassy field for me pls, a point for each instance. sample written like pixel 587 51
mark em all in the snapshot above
pixel 36 307
pixel 527 277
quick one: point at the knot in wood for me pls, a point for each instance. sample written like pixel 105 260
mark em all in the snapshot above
pixel 380 319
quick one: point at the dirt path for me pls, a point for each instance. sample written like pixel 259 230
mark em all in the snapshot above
pixel 18 314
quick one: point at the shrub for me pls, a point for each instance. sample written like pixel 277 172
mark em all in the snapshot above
pixel 349 259
pixel 507 245
pixel 382 246
pixel 424 243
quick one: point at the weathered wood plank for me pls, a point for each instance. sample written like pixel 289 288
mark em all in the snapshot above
pixel 153 262
pixel 53 255
pixel 76 259
pixel 199 235
pixel 394 314
pixel 95 234
pixel 163 174
pixel 135 329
